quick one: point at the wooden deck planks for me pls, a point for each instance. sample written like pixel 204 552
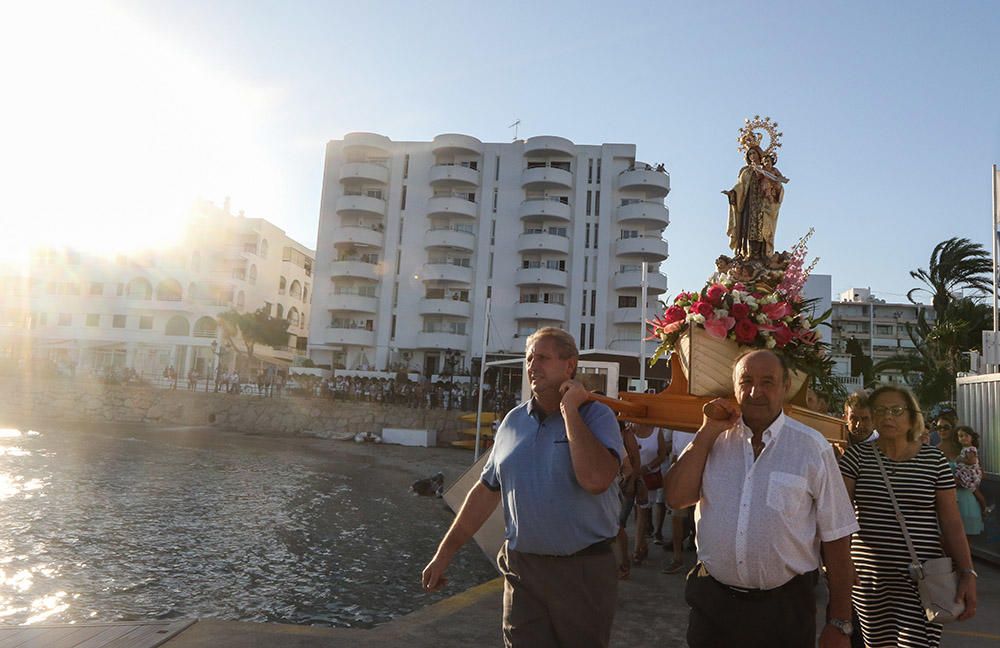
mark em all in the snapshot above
pixel 93 635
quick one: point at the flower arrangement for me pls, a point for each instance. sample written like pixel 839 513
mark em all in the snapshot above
pixel 767 313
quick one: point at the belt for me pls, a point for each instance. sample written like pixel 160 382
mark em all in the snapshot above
pixel 596 549
pixel 749 593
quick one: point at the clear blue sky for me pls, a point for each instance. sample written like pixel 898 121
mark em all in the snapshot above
pixel 891 110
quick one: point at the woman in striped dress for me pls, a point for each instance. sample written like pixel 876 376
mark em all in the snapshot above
pixel 886 599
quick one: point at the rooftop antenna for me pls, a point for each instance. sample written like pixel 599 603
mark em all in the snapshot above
pixel 517 122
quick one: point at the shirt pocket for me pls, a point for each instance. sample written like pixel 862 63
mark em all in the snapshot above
pixel 787 493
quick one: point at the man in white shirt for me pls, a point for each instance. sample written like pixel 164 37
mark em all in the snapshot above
pixel 771 506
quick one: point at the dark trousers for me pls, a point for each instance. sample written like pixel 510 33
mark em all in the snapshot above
pixel 558 601
pixel 722 617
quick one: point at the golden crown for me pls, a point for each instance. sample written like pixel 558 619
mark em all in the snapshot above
pixel 750 137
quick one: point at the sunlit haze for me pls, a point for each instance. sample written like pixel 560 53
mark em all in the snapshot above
pixel 115 132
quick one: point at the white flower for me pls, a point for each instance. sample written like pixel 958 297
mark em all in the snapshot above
pixel 761 318
pixel 696 318
pixel 770 343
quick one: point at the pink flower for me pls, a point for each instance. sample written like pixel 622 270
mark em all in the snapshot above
pixel 674 314
pixel 739 311
pixel 782 335
pixel 682 296
pixel 703 308
pixel 776 311
pixel 808 337
pixel 715 294
pixel 746 331
pixel 719 327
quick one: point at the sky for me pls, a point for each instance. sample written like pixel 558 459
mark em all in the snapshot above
pixel 124 113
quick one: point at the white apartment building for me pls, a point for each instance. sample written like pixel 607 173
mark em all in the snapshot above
pixel 879 326
pixel 154 309
pixel 414 237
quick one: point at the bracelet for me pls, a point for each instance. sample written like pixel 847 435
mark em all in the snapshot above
pixel 970 570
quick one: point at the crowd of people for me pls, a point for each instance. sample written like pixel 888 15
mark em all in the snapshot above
pixel 778 509
pixel 446 395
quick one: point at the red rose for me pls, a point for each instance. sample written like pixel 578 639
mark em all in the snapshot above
pixel 674 314
pixel 776 311
pixel 703 308
pixel 746 331
pixel 715 293
pixel 739 311
pixel 782 335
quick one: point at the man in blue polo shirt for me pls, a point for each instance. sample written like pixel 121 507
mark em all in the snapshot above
pixel 553 465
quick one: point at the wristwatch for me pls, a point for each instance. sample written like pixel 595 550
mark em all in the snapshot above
pixel 845 627
pixel 970 570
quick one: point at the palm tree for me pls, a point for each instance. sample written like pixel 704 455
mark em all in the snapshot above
pixel 955 264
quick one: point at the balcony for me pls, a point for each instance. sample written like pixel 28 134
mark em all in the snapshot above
pixel 360 205
pixel 446 272
pixel 372 142
pixel 544 207
pixel 542 242
pixel 656 282
pixel 451 143
pixel 655 184
pixel 364 172
pixel 453 174
pixel 541 277
pixel 549 145
pixel 358 269
pixel 649 248
pixel 452 307
pixel 441 340
pixel 540 311
pixel 359 235
pixel 626 316
pixel 450 238
pixel 540 178
pixel 351 302
pixel 355 336
pixel 645 214
pixel 451 205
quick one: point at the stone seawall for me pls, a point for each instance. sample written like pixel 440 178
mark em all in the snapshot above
pixel 65 399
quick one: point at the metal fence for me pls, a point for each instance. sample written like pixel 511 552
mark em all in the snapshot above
pixel 978 403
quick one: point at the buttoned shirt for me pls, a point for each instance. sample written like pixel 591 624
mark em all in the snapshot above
pixel 545 509
pixel 760 522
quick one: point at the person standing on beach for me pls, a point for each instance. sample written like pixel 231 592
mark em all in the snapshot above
pixel 553 466
pixel 771 505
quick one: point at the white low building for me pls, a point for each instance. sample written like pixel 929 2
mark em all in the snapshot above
pixel 415 236
pixel 157 309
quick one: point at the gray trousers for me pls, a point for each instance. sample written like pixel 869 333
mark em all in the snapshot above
pixel 558 601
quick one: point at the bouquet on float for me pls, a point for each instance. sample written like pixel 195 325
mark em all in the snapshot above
pixel 768 312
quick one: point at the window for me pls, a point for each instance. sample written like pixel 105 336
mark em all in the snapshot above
pixel 496 176
pixel 263 248
pixel 93 319
pixel 585 263
pixel 402 198
pixel 590 170
pixel 597 203
pixel 884 329
pixel 65 319
pixel 586 239
pixel 598 170
pixel 590 197
pixel 253 274
pixel 496 194
pixel 118 321
pixel 553 264
pixel 146 322
pixel 627 301
pixel 593 308
pixel 406 166
pixel 96 288
pixel 596 228
pixel 375 193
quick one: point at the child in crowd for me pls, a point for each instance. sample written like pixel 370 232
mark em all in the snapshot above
pixel 968 472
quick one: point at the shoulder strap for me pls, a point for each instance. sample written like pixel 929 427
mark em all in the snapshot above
pixel 895 505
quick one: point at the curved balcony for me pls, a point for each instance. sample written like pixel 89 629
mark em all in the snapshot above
pixel 358 269
pixel 356 337
pixel 449 238
pixel 446 272
pixel 436 340
pixel 540 311
pixel 364 172
pixel 549 145
pixel 357 235
pixel 453 174
pixel 541 277
pixel 542 242
pixel 544 207
pixel 656 283
pixel 371 141
pixel 647 214
pixel 452 205
pixel 456 143
pixel 360 204
pixel 628 316
pixel 651 249
pixel 540 178
pixel 654 183
pixel 351 302
pixel 452 307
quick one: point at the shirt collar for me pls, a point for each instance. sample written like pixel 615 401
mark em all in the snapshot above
pixel 772 432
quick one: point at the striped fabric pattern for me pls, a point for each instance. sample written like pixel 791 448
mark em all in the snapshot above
pixel 886 600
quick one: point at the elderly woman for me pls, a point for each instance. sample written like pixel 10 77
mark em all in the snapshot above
pixel 885 597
